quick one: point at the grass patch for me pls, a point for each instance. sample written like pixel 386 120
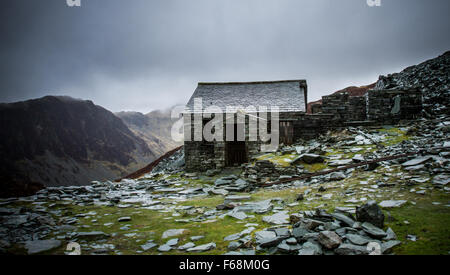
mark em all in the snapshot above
pixel 430 223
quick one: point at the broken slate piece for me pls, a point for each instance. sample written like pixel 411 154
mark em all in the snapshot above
pixel 39 246
pixel 392 203
pixel 281 217
pixel 172 233
pixel 124 219
pixel 186 246
pixel 373 230
pixel 202 248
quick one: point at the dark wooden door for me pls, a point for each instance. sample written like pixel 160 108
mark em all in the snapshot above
pixel 236 151
pixel 286 132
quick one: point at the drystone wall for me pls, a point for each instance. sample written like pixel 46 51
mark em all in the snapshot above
pixel 344 107
pixel 393 105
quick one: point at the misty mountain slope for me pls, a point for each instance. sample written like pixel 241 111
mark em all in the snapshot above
pixel 66 141
pixel 154 127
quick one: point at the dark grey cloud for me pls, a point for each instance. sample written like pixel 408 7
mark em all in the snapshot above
pixel 143 54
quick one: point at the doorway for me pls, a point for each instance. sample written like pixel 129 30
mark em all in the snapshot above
pixel 236 151
pixel 286 132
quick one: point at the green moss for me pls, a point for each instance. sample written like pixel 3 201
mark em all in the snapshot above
pixel 281 160
pixel 394 135
pixel 316 167
pixel 430 223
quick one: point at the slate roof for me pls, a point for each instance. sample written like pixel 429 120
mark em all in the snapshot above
pixel 288 95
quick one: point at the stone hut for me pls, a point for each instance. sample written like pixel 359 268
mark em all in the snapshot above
pixel 234 99
pixel 290 96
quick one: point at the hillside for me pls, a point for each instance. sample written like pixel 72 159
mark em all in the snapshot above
pixel 56 141
pixel 154 128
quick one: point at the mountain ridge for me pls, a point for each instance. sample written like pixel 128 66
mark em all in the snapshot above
pixel 59 140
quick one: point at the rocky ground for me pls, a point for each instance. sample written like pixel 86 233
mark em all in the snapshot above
pixel 401 206
pixel 431 77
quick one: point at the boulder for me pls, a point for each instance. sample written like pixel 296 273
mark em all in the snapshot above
pixel 329 239
pixel 371 213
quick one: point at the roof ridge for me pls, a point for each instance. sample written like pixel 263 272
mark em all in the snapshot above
pixel 251 82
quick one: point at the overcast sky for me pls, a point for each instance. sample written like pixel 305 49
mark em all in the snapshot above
pixel 141 55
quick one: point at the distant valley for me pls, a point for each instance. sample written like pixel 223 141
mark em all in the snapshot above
pixel 61 141
pixel 154 128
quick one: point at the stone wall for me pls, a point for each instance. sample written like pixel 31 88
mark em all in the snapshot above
pixel 316 108
pixel 393 105
pixel 202 155
pixel 311 126
pixel 344 107
pixel 336 104
pixel 356 108
pixel 199 155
